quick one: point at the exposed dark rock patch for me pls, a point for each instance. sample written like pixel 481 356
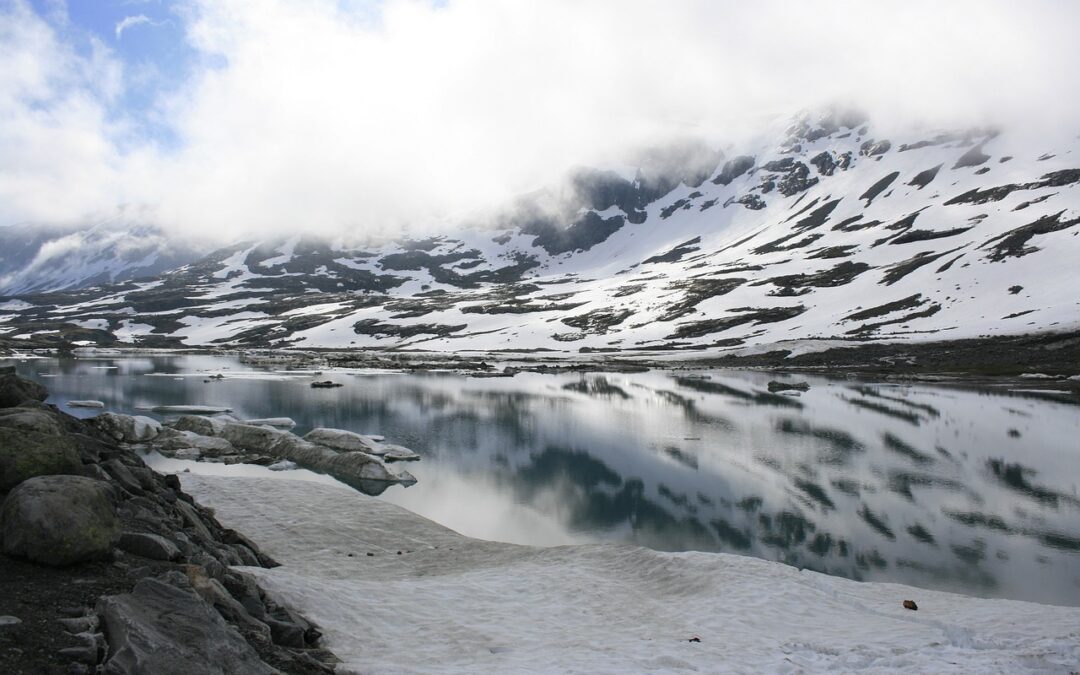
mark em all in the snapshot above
pixel 973 157
pixel 374 327
pixel 750 201
pixel 676 253
pixel 581 235
pixel 824 162
pixel 830 252
pixel 873 148
pixel 696 291
pixel 853 224
pixel 996 194
pixel 877 188
pixel 746 315
pixel 906 267
pixel 925 177
pixel 817 217
pixel 598 321
pixel 909 302
pixel 732 169
pixel 1013 244
pixel 927 235
pixel 839 275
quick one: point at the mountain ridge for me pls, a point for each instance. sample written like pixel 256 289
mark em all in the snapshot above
pixel 833 232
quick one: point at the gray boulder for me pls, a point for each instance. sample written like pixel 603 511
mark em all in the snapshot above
pixel 339 439
pixel 128 428
pixel 25 454
pixel 199 424
pixel 172 441
pixel 360 470
pixel 15 390
pixel 59 520
pixel 252 438
pixel 151 546
pixel 161 629
pixel 31 419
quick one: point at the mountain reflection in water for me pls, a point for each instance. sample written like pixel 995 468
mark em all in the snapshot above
pixel 937 487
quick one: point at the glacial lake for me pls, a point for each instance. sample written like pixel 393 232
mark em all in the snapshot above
pixel 938 487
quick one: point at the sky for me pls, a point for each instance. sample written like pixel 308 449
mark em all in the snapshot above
pixel 224 118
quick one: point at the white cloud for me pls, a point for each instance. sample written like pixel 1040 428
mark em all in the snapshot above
pixel 130 22
pixel 326 119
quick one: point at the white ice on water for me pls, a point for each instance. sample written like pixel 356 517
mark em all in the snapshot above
pixel 453 604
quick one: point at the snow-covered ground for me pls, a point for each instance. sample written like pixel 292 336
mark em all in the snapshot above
pixel 448 603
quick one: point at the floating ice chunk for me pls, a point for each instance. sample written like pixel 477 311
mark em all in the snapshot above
pixel 283 465
pixel 279 422
pixel 86 404
pixel 186 409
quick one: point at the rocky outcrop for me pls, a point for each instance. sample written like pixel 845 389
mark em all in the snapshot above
pixel 15 390
pixel 59 520
pixel 351 458
pixel 169 600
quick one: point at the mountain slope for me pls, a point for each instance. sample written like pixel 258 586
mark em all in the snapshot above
pixel 834 232
pixel 34 259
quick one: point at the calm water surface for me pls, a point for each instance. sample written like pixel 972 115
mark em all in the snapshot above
pixel 936 487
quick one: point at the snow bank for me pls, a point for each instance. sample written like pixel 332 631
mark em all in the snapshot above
pixel 448 603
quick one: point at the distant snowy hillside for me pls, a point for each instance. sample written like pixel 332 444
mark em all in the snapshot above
pixel 827 230
pixel 50 259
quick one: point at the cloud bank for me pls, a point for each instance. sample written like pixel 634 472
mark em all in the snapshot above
pixel 320 115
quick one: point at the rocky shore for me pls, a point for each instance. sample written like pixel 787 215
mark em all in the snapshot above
pixel 108 566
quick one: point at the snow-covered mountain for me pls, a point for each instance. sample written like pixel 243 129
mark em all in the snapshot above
pixel 826 230
pixel 34 259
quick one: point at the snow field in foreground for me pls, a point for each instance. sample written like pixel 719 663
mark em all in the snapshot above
pixel 449 603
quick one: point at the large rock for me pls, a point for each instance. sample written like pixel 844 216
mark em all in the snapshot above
pixel 31 419
pixel 339 439
pixel 15 390
pixel 59 520
pixel 165 630
pixel 171 441
pixel 358 469
pixel 25 454
pixel 252 438
pixel 129 428
pixel 199 424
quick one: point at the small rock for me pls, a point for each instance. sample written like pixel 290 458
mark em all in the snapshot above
pixel 151 546
pixel 910 604
pixel 694 639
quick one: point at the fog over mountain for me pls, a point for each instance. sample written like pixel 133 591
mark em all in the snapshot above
pixel 403 116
